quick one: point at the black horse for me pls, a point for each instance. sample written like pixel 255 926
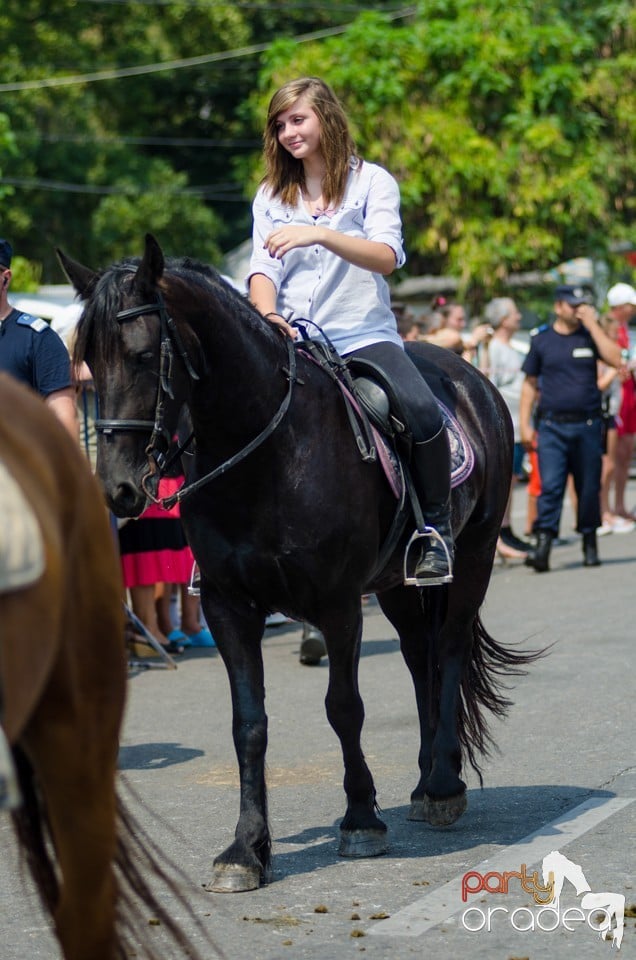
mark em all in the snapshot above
pixel 282 513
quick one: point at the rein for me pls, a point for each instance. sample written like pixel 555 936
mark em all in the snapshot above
pixel 168 502
pixel 157 459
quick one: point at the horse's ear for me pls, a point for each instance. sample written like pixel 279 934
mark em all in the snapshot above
pixel 151 266
pixel 82 278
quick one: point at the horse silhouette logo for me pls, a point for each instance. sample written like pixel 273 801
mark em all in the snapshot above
pixel 556 869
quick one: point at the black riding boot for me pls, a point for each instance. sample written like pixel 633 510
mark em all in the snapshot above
pixel 312 646
pixel 590 552
pixel 431 472
pixel 539 556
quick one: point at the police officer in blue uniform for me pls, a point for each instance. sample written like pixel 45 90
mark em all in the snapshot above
pixel 34 353
pixel 561 395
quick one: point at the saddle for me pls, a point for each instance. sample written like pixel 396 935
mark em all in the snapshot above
pixel 376 416
pixel 21 543
pixel 381 431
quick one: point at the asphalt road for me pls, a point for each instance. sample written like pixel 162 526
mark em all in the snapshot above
pixel 564 780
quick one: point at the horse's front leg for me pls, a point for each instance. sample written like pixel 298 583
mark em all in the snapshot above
pixel 362 833
pixel 247 861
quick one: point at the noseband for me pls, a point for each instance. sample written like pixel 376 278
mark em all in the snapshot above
pixel 160 438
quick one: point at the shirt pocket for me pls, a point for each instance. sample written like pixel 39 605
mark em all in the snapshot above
pixel 350 216
pixel 278 214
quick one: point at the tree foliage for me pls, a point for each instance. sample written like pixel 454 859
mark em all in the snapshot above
pixel 510 126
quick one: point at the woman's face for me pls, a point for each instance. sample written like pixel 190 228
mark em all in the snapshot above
pixel 456 319
pixel 512 320
pixel 298 130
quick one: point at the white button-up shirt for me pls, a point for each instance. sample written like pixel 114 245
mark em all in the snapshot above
pixel 352 305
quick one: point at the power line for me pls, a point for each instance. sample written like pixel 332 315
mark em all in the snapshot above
pixel 323 7
pixel 214 191
pixel 141 141
pixel 183 63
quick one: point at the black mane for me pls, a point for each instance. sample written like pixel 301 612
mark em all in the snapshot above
pixel 185 281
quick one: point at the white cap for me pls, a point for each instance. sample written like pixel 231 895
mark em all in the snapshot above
pixel 621 293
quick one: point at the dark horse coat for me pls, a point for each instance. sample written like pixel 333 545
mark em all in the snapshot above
pixel 282 514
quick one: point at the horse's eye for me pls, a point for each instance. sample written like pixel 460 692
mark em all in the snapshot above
pixel 146 357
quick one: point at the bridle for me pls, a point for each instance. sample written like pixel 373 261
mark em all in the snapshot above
pixel 160 438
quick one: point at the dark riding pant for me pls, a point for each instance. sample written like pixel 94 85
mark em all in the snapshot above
pixel 565 448
pixel 421 410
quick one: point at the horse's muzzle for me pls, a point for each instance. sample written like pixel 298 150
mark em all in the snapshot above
pixel 126 500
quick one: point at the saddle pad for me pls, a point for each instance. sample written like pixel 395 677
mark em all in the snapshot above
pixel 21 543
pixel 461 453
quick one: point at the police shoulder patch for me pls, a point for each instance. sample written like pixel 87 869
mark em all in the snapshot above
pixel 36 323
pixel 541 329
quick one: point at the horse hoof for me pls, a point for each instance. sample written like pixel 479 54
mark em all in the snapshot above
pixel 439 813
pixel 363 843
pixel 234 878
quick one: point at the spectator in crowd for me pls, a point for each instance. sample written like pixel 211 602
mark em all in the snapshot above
pixel 621 300
pixel 35 354
pixel 408 326
pixel 448 329
pixel 564 357
pixel 503 367
pixel 609 384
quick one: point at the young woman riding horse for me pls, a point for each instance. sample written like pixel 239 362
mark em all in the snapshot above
pixel 327 231
pixel 282 513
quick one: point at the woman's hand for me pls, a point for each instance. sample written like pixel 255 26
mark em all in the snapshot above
pixel 284 239
pixel 282 324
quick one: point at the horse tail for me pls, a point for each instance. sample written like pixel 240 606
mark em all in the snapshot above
pixel 488 664
pixel 31 828
pixel 137 858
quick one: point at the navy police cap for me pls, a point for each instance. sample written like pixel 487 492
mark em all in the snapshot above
pixel 6 252
pixel 572 295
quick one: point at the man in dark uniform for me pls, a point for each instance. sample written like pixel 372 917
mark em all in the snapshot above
pixel 560 391
pixel 34 353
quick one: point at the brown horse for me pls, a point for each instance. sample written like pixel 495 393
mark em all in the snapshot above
pixel 62 691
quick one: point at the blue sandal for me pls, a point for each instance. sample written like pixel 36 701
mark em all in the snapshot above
pixel 201 639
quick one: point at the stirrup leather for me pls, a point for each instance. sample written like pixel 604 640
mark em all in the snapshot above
pixel 427 533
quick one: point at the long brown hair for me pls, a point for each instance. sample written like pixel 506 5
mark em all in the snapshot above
pixel 284 174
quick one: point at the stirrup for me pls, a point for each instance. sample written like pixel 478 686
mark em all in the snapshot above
pixel 194 587
pixel 427 533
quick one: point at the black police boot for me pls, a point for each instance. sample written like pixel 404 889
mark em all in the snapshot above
pixel 539 556
pixel 431 472
pixel 590 551
pixel 312 646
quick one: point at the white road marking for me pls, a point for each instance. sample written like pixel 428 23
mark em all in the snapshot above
pixel 441 904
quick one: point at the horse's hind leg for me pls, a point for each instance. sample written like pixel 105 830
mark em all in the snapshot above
pixel 403 607
pixel 459 723
pixel 362 833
